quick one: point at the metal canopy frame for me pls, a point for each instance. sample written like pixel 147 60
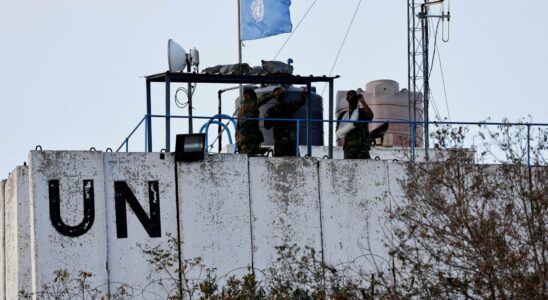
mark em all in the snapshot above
pixel 175 77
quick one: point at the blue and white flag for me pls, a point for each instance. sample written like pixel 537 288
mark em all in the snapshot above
pixel 263 18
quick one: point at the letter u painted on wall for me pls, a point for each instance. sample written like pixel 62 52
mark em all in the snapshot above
pixel 55 210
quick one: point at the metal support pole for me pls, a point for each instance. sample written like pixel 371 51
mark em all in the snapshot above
pixel 239 35
pixel 409 60
pixel 425 70
pixel 297 151
pixel 240 45
pixel 414 64
pixel 148 142
pixel 308 127
pixel 168 113
pixel 146 133
pixel 189 95
pixel 219 111
pixel 413 127
pixel 221 129
pixel 529 145
pixel 330 142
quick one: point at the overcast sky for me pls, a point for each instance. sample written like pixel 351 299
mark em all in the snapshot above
pixel 71 70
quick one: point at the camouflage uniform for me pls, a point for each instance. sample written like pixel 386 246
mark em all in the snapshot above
pixel 285 132
pixel 357 142
pixel 248 135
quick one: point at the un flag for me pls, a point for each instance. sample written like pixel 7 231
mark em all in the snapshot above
pixel 263 18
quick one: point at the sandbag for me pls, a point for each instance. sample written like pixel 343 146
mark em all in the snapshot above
pixel 277 67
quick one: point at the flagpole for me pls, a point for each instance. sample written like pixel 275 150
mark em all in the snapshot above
pixel 240 43
pixel 239 35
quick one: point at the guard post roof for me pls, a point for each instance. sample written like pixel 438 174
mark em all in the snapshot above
pixel 218 78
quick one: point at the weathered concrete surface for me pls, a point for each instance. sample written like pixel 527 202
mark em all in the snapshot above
pixel 54 250
pixel 126 261
pixel 233 212
pixel 397 173
pixel 17 233
pixel 2 242
pixel 352 196
pixel 215 215
pixel 285 206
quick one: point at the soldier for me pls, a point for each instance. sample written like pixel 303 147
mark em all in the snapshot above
pixel 357 140
pixel 285 132
pixel 248 135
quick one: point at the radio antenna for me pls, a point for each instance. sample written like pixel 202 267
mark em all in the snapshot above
pixel 418 58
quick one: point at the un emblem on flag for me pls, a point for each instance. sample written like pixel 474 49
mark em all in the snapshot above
pixel 262 18
pixel 257 10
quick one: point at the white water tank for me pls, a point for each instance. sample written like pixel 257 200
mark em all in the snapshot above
pixel 389 103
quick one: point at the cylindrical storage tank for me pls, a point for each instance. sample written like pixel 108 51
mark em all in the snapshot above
pixel 389 103
pixel 292 94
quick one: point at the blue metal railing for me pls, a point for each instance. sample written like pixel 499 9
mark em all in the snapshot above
pixel 412 124
pixel 126 141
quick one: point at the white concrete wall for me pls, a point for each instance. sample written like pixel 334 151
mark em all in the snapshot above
pixel 2 243
pixel 215 215
pixel 126 262
pixel 17 233
pixel 52 249
pixel 394 192
pixel 352 194
pixel 285 206
pixel 233 212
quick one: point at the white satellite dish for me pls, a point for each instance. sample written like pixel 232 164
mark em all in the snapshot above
pixel 176 56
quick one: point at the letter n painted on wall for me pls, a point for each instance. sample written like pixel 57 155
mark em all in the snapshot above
pixel 123 195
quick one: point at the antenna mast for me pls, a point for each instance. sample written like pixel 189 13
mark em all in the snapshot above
pixel 418 59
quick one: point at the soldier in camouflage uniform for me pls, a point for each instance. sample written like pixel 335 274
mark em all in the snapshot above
pixel 248 134
pixel 285 132
pixel 357 142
